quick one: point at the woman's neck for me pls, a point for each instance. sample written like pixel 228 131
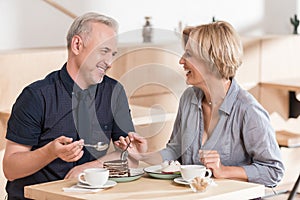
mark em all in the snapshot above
pixel 215 94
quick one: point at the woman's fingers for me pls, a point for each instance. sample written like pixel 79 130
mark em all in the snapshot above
pixel 209 157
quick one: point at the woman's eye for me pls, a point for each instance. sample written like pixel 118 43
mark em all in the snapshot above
pixel 187 54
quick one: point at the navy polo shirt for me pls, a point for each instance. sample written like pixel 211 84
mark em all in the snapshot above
pixel 45 111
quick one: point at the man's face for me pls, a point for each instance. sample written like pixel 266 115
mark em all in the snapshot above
pixel 97 54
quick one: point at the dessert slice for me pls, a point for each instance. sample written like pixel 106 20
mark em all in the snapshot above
pixel 117 168
pixel 170 167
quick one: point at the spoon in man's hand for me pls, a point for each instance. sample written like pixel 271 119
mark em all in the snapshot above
pixel 100 146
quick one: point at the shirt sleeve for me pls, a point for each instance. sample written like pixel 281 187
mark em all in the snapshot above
pixel 260 143
pixel 24 125
pixel 121 113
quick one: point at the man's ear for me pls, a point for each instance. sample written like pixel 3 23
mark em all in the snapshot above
pixel 76 44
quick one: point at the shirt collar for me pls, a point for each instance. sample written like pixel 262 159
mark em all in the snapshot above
pixel 229 99
pixel 71 86
pixel 91 91
pixel 66 79
pixel 197 97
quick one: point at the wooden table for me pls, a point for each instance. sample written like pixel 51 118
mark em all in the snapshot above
pixel 148 188
pixel 292 88
pixel 288 139
pixel 292 84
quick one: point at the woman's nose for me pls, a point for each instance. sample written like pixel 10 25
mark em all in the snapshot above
pixel 181 60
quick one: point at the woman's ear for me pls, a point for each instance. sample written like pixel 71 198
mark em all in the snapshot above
pixel 76 44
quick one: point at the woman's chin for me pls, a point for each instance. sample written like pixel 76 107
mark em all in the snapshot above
pixel 189 82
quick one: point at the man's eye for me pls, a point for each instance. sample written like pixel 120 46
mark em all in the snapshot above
pixel 104 51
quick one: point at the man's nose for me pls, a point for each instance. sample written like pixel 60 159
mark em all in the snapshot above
pixel 108 59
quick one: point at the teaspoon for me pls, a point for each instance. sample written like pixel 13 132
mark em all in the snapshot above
pixel 100 146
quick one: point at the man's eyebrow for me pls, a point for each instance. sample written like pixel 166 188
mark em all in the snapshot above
pixel 109 49
pixel 105 48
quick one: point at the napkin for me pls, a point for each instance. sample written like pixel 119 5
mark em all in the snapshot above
pixel 76 188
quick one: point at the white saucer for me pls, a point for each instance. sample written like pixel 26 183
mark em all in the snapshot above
pixel 108 184
pixel 180 180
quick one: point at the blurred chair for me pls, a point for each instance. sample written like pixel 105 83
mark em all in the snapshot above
pixel 4 115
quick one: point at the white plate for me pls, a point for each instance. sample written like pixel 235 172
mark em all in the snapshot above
pixel 155 172
pixel 180 180
pixel 108 184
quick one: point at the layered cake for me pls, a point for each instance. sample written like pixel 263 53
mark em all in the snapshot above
pixel 117 168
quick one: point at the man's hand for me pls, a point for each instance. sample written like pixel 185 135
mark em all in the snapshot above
pixel 65 149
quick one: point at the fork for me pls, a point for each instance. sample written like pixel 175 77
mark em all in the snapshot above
pixel 124 153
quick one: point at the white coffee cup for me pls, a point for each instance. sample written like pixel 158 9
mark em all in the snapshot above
pixel 189 172
pixel 94 176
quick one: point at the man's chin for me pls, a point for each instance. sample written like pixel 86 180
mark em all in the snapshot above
pixel 101 79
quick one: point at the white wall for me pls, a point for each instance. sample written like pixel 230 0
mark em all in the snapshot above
pixel 34 23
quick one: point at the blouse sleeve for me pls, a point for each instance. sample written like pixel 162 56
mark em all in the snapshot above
pixel 260 143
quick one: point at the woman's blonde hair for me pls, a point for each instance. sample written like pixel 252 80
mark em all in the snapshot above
pixel 217 44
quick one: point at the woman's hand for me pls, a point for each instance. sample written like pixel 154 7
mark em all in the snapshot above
pixel 138 145
pixel 211 160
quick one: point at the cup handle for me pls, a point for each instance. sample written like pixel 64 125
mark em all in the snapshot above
pixel 209 173
pixel 80 179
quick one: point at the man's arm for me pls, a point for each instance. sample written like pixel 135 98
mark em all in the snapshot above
pixel 19 161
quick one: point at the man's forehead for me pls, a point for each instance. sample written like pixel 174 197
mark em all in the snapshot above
pixel 107 46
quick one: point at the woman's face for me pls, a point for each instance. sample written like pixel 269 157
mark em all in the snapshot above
pixel 197 70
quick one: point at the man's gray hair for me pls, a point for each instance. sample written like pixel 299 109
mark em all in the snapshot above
pixel 81 25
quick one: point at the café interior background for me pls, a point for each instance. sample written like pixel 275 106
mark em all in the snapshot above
pixel 271 50
pixel 34 23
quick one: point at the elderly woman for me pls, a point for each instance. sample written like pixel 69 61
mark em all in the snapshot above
pixel 218 124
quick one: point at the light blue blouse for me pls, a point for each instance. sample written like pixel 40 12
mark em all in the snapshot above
pixel 243 135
